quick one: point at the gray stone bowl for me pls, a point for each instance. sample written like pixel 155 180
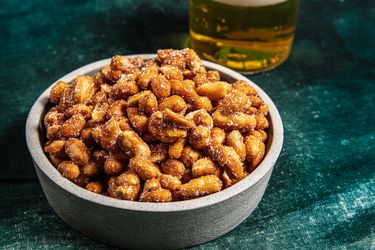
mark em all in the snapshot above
pixel 137 225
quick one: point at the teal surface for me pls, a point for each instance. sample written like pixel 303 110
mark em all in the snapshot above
pixel 322 191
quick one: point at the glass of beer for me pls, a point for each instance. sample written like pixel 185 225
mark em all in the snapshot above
pixel 246 35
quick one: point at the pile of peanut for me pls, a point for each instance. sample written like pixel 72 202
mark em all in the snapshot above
pixel 155 130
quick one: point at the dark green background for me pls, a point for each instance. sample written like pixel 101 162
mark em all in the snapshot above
pixel 322 191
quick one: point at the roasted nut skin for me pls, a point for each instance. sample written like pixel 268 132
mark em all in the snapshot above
pixel 159 152
pixel 52 132
pixel 227 158
pixel 171 72
pixel 148 103
pixel 83 89
pixel 53 117
pixel 137 119
pixel 92 169
pixel 261 122
pixel 99 112
pixel 118 108
pixel 260 134
pixel 168 126
pixel 202 118
pixel 124 89
pixel 110 132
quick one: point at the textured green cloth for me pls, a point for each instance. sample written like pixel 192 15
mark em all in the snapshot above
pixel 322 191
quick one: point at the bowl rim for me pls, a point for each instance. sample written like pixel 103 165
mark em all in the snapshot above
pixel 41 161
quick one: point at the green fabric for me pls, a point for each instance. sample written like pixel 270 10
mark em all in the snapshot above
pixel 322 191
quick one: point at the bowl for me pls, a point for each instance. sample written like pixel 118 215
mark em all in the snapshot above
pixel 139 225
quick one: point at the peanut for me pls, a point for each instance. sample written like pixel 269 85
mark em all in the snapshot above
pixel 77 151
pixel 144 167
pixel 214 91
pixel 56 91
pixel 158 152
pixel 161 87
pixel 158 195
pixel 200 137
pixel 170 182
pixel 132 144
pixel 123 89
pixel 55 148
pixel 198 187
pixel 69 170
pixel 112 166
pixel 72 127
pixel 173 167
pixel 205 166
pixel 175 149
pixel 235 140
pixel 189 156
pixel 255 150
pixel 83 90
pixel 146 77
pixel 174 103
pixel 95 187
pixel 137 119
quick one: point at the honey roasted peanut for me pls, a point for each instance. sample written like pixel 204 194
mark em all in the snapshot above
pixel 72 127
pixel 69 170
pixel 77 151
pixel 56 91
pixel 175 149
pixel 205 166
pixel 132 144
pixel 200 186
pixel 255 150
pixel 155 130
pixel 144 167
pixel 175 103
pixel 173 167
pixel 214 91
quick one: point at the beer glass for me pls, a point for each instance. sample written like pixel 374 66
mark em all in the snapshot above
pixel 246 35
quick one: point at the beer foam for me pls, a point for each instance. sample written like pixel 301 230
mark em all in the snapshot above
pixel 250 3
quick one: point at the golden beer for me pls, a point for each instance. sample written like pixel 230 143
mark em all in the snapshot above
pixel 245 35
